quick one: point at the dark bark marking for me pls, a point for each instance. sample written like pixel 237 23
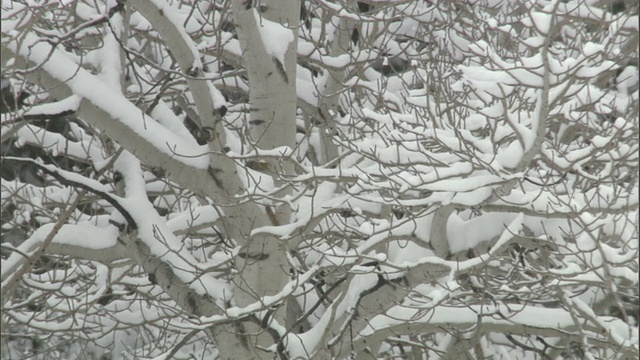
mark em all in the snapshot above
pixel 281 70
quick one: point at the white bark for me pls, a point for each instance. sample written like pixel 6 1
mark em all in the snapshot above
pixel 273 85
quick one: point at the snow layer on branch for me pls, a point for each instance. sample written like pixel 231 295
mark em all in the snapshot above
pixel 57 144
pixel 67 105
pixel 109 54
pixel 306 49
pixel 165 116
pixel 174 17
pixel 76 235
pixel 275 37
pixel 530 316
pixel 90 87
pixel 542 21
pixel 193 218
pixel 301 346
pixel 463 235
pixel 157 236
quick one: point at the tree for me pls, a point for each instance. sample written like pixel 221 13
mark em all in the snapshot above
pixel 328 179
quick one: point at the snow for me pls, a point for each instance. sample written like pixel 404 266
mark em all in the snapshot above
pixel 57 144
pixel 76 235
pixel 542 21
pixel 67 105
pixel 91 88
pixel 600 141
pixel 630 23
pixel 301 346
pixel 193 218
pixel 109 54
pixel 628 79
pixel 165 117
pixel 463 235
pixel 275 37
pixel 403 151
pixel 91 183
pixel 277 152
pixel 591 49
pixel 162 243
pixel 174 17
pixel 510 156
pixel 305 92
pixel 267 301
pixel 578 9
pixel 306 49
pixel 608 323
pixel 492 316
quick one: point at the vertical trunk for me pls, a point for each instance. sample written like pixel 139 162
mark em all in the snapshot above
pixel 272 74
pixel 263 265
